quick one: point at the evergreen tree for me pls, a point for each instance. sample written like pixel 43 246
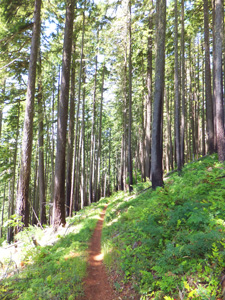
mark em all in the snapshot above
pixel 157 151
pixel 59 191
pixel 23 186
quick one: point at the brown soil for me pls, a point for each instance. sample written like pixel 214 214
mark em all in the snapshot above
pixel 96 284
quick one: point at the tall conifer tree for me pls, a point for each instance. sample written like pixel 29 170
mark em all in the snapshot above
pixel 59 192
pixel 156 159
pixel 24 179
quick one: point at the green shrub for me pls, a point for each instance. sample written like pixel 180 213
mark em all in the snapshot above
pixel 172 240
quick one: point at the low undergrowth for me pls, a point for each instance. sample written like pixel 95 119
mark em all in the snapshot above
pixel 52 271
pixel 170 243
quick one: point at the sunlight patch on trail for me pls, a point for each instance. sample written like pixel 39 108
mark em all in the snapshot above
pixel 98 257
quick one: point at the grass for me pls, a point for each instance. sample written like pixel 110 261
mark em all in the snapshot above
pixel 170 243
pixel 53 271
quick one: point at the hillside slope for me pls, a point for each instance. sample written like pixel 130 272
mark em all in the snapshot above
pixel 164 244
pixel 170 243
pixel 55 265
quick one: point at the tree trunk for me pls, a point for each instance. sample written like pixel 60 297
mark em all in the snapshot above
pixel 208 90
pixel 130 165
pixel 182 158
pixel 83 189
pixel 35 204
pixel 218 30
pixel 92 136
pixel 156 162
pixel 203 113
pixel 24 179
pixel 98 164
pixel 169 117
pixel 70 135
pixel 77 182
pixel 3 210
pixel 1 107
pixel 77 119
pixel 59 192
pixel 177 92
pixel 148 102
pixel 109 167
pixel 214 68
pixel 41 174
pixel 122 165
pixel 168 135
pixel 191 110
pixel 52 154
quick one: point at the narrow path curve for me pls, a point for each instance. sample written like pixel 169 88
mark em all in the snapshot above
pixel 96 285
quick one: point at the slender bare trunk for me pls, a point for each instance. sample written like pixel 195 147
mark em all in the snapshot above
pixel 24 179
pixel 70 134
pixel 177 91
pixel 98 164
pixel 157 179
pixel 59 192
pixel 93 135
pixel 1 106
pixel 130 164
pixel 218 89
pixel 77 117
pixel 83 190
pixel 41 168
pixel 3 210
pixel 182 86
pixel 208 89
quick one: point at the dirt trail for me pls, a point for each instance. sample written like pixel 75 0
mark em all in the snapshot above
pixel 96 285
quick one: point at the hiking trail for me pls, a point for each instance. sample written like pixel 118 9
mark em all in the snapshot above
pixel 96 284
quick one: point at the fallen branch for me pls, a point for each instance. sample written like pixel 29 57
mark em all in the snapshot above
pixel 142 191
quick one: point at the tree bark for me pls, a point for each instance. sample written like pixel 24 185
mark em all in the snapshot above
pixel 203 113
pixel 83 189
pixel 148 103
pixel 168 135
pixel 156 161
pixel 122 165
pixel 92 136
pixel 1 107
pixel 35 204
pixel 214 68
pixel 218 78
pixel 12 202
pixel 208 89
pixel 41 174
pixel 109 167
pixel 70 134
pixel 59 192
pixel 77 117
pixel 52 150
pixel 177 91
pixel 24 179
pixel 182 158
pixel 3 210
pixel 130 164
pixel 98 165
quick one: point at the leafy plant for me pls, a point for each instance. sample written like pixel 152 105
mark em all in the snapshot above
pixel 171 240
pixel 53 271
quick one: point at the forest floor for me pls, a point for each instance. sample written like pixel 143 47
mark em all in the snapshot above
pixel 165 244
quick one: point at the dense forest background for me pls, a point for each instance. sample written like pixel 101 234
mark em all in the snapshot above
pixel 96 95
